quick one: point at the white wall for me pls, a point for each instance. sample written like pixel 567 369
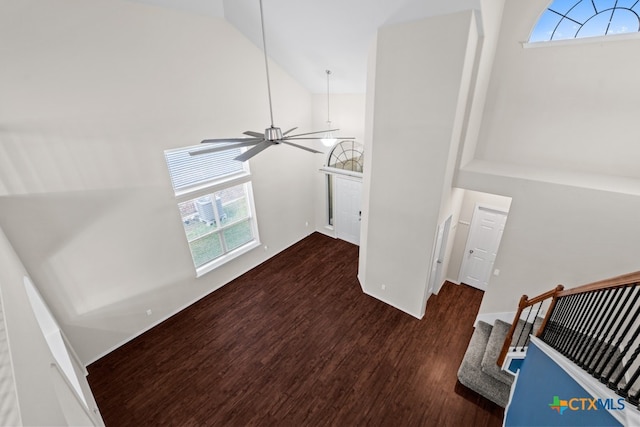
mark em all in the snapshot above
pixel 568 107
pixel 421 81
pixel 558 137
pixel 93 92
pixel 36 393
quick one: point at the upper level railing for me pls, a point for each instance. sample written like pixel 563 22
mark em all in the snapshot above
pixel 596 326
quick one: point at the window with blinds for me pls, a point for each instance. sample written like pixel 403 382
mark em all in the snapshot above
pixel 215 201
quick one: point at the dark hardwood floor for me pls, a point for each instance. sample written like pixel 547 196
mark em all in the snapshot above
pixel 295 342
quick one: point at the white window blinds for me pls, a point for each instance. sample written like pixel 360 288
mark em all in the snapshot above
pixel 187 170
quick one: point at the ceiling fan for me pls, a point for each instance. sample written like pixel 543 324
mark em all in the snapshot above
pixel 272 135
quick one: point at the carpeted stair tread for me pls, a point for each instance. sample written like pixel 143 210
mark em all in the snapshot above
pixel 494 346
pixel 470 373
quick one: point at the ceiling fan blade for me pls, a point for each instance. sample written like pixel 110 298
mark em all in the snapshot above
pixel 320 137
pixel 290 130
pixel 224 147
pixel 223 140
pixel 285 141
pixel 253 151
pixel 254 134
pixel 313 133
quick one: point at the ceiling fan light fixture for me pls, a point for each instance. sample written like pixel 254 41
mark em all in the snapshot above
pixel 328 140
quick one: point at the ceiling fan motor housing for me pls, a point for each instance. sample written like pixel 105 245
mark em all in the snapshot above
pixel 272 134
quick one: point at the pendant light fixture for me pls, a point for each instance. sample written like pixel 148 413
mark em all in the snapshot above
pixel 328 140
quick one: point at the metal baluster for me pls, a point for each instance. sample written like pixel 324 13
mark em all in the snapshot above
pixel 575 326
pixel 587 335
pixel 574 301
pixel 533 322
pixel 565 304
pixel 593 368
pixel 605 379
pixel 626 349
pixel 549 331
pixel 522 330
pixel 576 332
pixel 599 327
pixel 625 391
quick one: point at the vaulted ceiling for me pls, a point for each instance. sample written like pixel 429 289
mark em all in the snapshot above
pixel 307 37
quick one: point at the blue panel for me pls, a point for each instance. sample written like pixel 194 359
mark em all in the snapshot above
pixel 545 395
pixel 515 365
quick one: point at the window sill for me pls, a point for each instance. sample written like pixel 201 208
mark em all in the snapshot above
pixel 583 40
pixel 201 271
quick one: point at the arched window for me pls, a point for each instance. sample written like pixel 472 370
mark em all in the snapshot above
pixel 346 155
pixel 572 19
pixel 345 158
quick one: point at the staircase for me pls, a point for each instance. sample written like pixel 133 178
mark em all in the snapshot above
pixel 594 327
pixel 479 370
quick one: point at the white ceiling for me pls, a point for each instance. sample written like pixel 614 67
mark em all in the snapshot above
pixel 307 37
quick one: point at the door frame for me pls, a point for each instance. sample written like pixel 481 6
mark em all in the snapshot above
pixel 439 254
pixel 472 226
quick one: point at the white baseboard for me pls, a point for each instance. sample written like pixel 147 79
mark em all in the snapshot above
pixel 392 304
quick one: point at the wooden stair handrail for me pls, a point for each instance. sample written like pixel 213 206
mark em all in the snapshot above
pixel 558 292
pixel 522 304
pixel 612 283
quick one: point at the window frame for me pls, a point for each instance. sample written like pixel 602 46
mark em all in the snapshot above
pixel 330 171
pixel 589 39
pixel 209 188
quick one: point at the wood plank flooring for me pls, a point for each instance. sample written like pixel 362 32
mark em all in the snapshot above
pixel 295 342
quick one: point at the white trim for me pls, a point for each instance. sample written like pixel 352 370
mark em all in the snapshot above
pixel 592 386
pixel 512 390
pixel 78 397
pixel 581 40
pixel 336 171
pixel 212 265
pixel 490 318
pixel 200 190
pixel 511 356
pixel 361 282
pixel 392 304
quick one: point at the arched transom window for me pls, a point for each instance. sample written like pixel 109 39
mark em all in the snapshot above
pixel 572 19
pixel 347 155
pixel 345 158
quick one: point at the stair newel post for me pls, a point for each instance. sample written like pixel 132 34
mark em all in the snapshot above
pixel 552 306
pixel 507 340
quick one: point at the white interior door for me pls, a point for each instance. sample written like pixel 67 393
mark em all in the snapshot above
pixel 436 279
pixel 487 226
pixel 348 194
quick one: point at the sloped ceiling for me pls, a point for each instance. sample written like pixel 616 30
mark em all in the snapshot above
pixel 307 37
